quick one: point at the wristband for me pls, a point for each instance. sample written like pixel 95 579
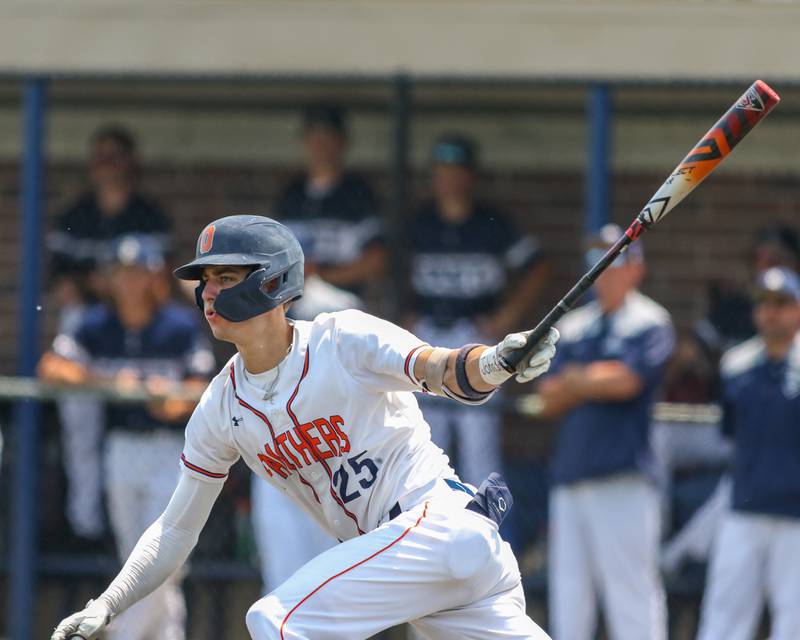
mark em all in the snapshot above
pixel 462 379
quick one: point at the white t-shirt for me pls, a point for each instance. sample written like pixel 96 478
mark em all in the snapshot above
pixel 342 435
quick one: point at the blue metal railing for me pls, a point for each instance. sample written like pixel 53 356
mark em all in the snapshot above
pixel 26 414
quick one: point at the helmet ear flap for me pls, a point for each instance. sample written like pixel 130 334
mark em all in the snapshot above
pixel 198 295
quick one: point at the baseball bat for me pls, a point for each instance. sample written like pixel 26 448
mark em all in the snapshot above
pixel 750 109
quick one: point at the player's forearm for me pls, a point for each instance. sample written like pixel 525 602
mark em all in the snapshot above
pixel 450 375
pixel 555 399
pixel 166 544
pixel 160 552
pixel 606 381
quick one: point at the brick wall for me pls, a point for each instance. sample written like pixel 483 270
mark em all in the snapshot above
pixel 707 237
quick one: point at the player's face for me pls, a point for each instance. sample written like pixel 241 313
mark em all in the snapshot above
pixel 109 163
pixel 452 181
pixel 132 285
pixel 323 146
pixel 615 282
pixel 777 316
pixel 224 277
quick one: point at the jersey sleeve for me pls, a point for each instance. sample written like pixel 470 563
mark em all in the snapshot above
pixel 647 353
pixel 379 355
pixel 207 452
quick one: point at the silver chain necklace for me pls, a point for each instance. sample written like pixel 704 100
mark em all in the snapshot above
pixel 269 389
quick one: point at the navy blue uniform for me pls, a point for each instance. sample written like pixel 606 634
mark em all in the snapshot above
pixel 761 412
pixel 340 222
pixel 599 439
pixel 461 270
pixel 171 346
pixel 458 272
pixel 604 511
pixel 82 234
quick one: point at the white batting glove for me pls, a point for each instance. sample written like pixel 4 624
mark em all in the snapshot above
pixel 493 372
pixel 84 625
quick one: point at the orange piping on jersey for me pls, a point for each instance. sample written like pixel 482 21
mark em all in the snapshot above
pixel 357 564
pixel 271 462
pixel 280 441
pixel 194 467
pixel 329 435
pixel 301 445
pixel 316 452
pixel 408 362
pixel 336 423
pixel 320 460
pixel 264 419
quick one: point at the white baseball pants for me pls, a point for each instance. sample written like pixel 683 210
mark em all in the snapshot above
pixel 604 542
pixel 82 429
pixel 141 473
pixel 439 566
pixel 285 547
pixel 756 558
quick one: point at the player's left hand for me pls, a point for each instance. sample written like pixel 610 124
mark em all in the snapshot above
pixel 86 624
pixel 529 368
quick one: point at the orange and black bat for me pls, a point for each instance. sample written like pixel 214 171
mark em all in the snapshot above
pixel 706 156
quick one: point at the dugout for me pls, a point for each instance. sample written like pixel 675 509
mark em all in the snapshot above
pixel 566 143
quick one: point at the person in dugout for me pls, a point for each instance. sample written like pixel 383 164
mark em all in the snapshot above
pixel 334 207
pixel 604 504
pixel 472 277
pixel 756 555
pixel 138 340
pixel 112 205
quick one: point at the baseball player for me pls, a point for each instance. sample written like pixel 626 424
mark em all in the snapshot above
pixel 604 507
pixel 113 206
pixel 333 206
pixel 283 550
pixel 757 548
pixel 463 255
pixel 138 339
pixel 324 411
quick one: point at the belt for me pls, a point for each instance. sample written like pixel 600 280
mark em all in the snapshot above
pixel 493 499
pixel 396 510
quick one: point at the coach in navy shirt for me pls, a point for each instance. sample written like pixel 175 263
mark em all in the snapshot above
pixel 604 508
pixel 757 550
pixel 138 341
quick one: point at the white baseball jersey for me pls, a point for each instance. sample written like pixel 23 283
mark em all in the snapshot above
pixel 342 435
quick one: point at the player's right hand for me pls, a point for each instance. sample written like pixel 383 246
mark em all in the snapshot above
pixel 534 364
pixel 84 625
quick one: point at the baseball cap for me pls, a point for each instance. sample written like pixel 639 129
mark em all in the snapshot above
pixel 598 243
pixel 141 250
pixel 778 280
pixel 327 116
pixel 455 149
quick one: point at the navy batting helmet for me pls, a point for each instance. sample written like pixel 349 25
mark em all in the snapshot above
pixel 249 241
